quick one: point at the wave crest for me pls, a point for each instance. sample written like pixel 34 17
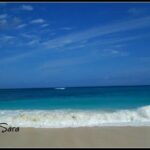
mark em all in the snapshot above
pixel 76 118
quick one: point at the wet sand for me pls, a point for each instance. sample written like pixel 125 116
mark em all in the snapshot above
pixel 78 137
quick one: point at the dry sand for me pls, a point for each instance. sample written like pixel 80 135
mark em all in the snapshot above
pixel 78 137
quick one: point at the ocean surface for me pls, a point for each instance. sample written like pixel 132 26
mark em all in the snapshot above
pixel 76 106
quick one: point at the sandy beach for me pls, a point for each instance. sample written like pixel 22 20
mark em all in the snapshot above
pixel 78 137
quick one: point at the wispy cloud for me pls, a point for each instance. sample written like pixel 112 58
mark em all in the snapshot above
pixel 6 40
pixel 92 56
pixel 99 31
pixel 9 23
pixel 45 25
pixel 3 20
pixel 36 21
pixel 8 37
pixel 27 7
pixel 3 16
pixel 28 35
pixel 76 38
pixel 21 26
pixel 113 42
pixel 33 42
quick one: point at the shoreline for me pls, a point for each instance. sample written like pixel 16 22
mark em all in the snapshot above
pixel 127 136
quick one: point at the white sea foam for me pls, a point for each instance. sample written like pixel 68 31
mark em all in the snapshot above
pixel 73 118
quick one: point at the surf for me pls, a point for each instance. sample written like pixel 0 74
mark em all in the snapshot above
pixel 76 118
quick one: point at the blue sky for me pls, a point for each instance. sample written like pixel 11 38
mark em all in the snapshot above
pixel 74 44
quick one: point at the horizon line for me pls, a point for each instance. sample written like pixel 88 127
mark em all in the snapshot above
pixel 91 86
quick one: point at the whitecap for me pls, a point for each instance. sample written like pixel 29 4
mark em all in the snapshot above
pixel 76 118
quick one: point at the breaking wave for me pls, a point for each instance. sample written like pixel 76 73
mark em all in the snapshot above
pixel 76 118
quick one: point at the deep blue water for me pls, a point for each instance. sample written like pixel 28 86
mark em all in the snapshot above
pixel 118 97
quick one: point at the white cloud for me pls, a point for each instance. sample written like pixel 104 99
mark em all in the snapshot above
pixel 57 44
pixel 8 37
pixel 115 51
pixel 45 25
pixel 3 16
pixel 10 23
pixel 27 7
pixel 99 31
pixel 33 42
pixel 27 35
pixel 38 21
pixel 74 38
pixel 21 26
pixel 31 38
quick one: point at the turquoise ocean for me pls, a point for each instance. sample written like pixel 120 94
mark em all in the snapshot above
pixel 76 106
